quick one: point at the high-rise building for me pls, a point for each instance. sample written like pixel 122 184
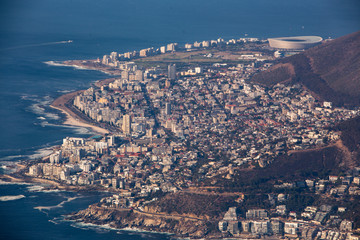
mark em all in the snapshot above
pixel 171 47
pixel 114 56
pixel 172 71
pixel 198 70
pixel 197 44
pixel 167 83
pixel 111 140
pixel 105 59
pixel 168 108
pixel 139 75
pixel 128 55
pixel 125 75
pixel 188 45
pixel 163 49
pixel 126 127
pixel 206 44
pixel 143 52
pixel 115 182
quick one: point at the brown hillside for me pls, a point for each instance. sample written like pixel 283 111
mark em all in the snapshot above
pixel 294 167
pixel 330 70
pixel 198 205
pixel 338 63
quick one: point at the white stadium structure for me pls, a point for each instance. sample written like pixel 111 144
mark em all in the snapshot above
pixel 295 43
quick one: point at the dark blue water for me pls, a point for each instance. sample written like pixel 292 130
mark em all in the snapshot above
pixel 38 215
pixel 29 31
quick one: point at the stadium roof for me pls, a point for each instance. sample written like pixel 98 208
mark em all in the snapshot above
pixel 298 42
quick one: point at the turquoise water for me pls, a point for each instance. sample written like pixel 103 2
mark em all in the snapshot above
pixel 30 34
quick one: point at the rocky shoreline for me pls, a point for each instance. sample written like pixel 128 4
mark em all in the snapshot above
pixel 181 227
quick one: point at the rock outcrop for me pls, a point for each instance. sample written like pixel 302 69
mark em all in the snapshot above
pixel 182 226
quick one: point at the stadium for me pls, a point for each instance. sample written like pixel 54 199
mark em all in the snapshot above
pixel 294 43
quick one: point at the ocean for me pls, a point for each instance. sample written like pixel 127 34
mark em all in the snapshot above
pixel 32 32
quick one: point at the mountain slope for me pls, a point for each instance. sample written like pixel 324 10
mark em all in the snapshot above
pixel 331 70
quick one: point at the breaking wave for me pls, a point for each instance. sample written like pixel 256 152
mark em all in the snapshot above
pixel 97 228
pixel 39 106
pixel 60 205
pixel 35 188
pixel 59 64
pixel 40 153
pixel 11 198
pixel 13 183
pixel 76 129
pixel 65 91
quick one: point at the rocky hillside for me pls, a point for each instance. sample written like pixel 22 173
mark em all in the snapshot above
pixel 149 220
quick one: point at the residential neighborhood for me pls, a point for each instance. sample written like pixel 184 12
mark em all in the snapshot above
pixel 172 128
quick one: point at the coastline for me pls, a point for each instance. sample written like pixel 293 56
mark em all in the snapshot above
pixel 84 65
pixel 63 104
pixel 50 184
pixel 72 118
pixel 114 228
pixel 128 219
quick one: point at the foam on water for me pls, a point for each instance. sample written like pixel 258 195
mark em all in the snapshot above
pixel 29 153
pixel 40 153
pixel 59 64
pixel 11 198
pixel 105 228
pixel 7 158
pixel 65 91
pixel 52 116
pixel 60 205
pixel 41 188
pixel 29 96
pixel 39 109
pixel 82 130
pixel 52 191
pixel 54 222
pixel 13 183
pixel 35 188
pixel 40 105
pixel 77 129
pixel 90 226
pixel 7 166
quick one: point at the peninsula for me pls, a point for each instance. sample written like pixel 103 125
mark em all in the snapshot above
pixel 215 139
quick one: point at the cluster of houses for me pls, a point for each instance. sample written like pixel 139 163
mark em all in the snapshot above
pixel 257 223
pixel 312 222
pixel 217 112
pixel 206 119
pixel 115 58
pixel 107 163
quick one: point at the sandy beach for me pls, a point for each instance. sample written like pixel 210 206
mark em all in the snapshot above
pixel 72 118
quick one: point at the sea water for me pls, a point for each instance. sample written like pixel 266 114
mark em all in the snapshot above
pixel 28 212
pixel 34 32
